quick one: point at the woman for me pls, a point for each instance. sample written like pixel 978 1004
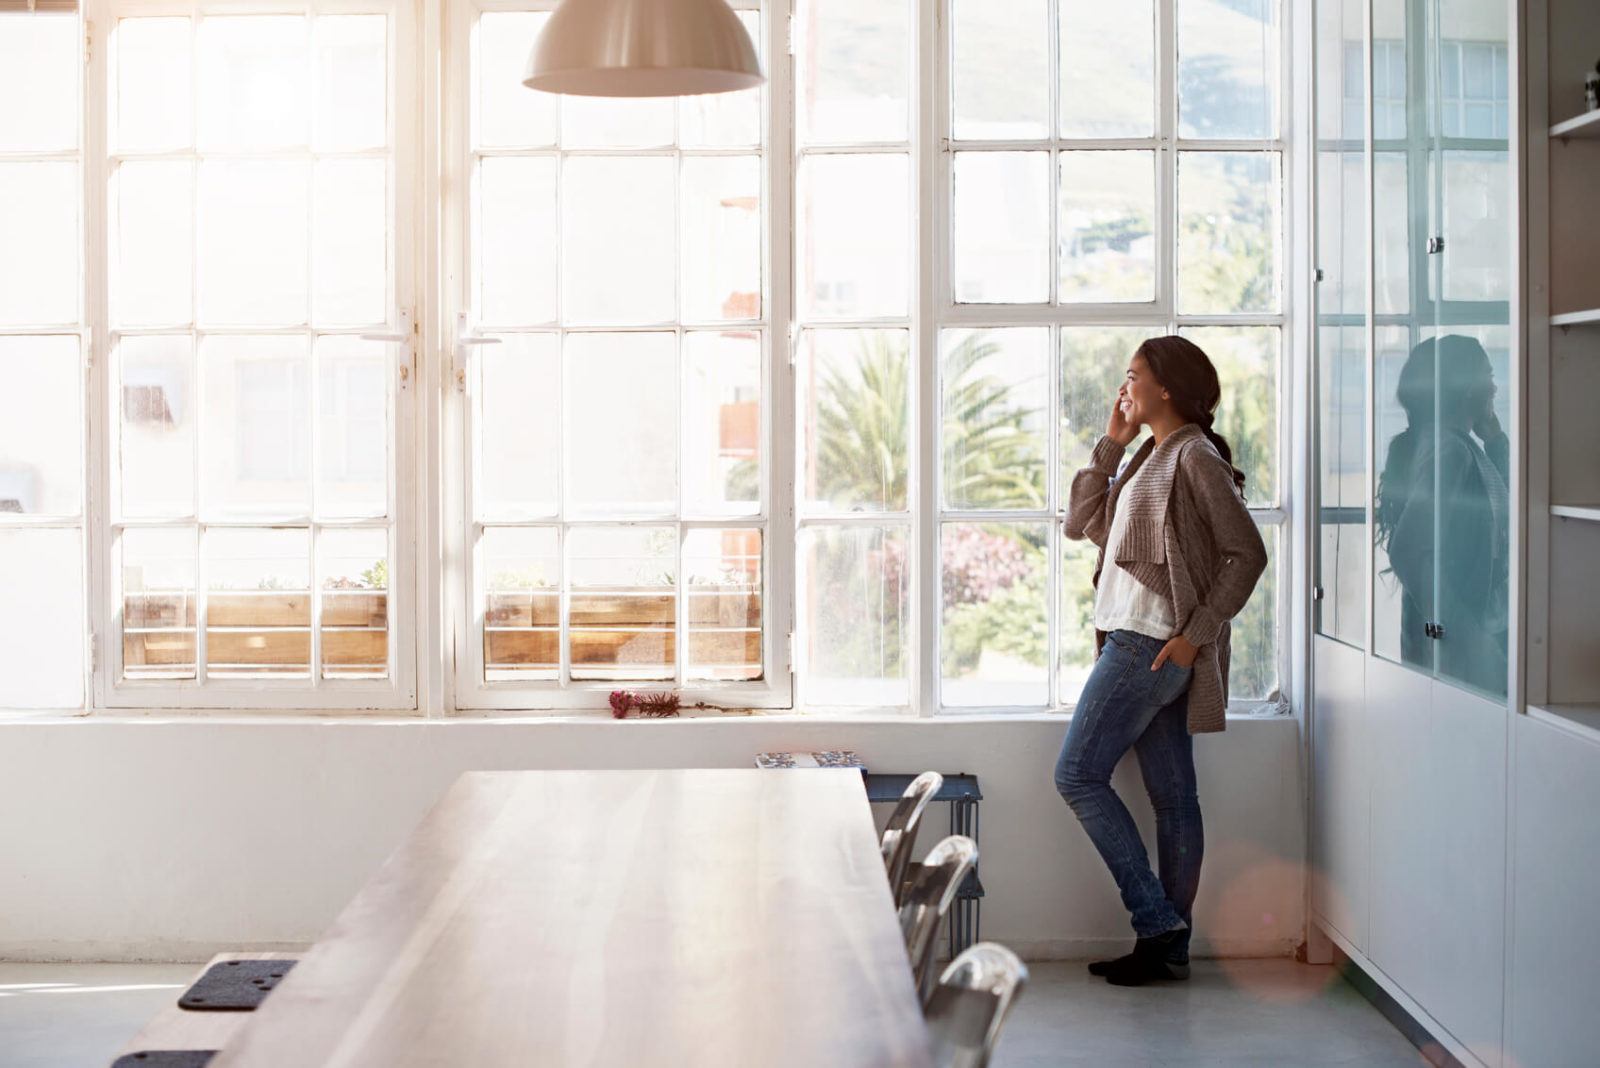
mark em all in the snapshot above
pixel 1179 556
pixel 1443 513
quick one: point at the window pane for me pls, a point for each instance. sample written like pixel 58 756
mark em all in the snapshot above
pixel 516 240
pixel 854 239
pixel 624 602
pixel 39 72
pixel 996 386
pixel 41 426
pixel 253 82
pixel 622 422
pixel 353 427
pixel 39 243
pixel 1002 227
pixel 352 72
pixel 855 412
pixel 1075 619
pixel 154 106
pixel 1228 68
pixel 1094 360
pixel 1246 359
pixel 253 219
pixel 1391 234
pixel 724 120
pixel 1229 210
pixel 353 569
pixel 256 426
pixel 609 204
pixel 722 433
pixel 522 611
pixel 1108 68
pixel 352 242
pixel 995 629
pixel 853 70
pixel 519 426
pixel 1107 234
pixel 724 590
pixel 258 603
pixel 157 425
pixel 854 615
pixel 1253 666
pixel 158 604
pixel 616 122
pixel 41 629
pixel 1477 229
pixel 721 274
pixel 1001 70
pixel 153 270
pixel 507 114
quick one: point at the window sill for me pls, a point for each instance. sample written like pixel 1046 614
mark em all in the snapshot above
pixel 1237 711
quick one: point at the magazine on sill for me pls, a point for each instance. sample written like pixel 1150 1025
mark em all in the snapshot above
pixel 827 758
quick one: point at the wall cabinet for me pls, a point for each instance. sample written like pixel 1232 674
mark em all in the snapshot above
pixel 1417 364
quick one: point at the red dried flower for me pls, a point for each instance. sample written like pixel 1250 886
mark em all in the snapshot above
pixel 658 705
pixel 621 702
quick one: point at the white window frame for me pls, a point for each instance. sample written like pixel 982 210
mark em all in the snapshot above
pixel 938 311
pixel 83 521
pixel 464 592
pixel 398 691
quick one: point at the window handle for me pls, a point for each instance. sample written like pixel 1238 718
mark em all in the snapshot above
pixel 467 336
pixel 406 336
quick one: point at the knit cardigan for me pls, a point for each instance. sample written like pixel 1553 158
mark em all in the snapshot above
pixel 1189 536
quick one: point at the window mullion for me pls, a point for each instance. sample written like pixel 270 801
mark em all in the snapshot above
pixel 94 174
pixel 1167 157
pixel 931 106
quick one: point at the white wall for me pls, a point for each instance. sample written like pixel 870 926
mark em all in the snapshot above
pixel 1555 855
pixel 170 839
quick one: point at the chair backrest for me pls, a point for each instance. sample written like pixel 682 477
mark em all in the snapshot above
pixel 970 1003
pixel 928 893
pixel 900 834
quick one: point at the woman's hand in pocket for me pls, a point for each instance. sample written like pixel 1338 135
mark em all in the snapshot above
pixel 1179 650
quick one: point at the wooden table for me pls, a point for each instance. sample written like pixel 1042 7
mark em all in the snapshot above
pixel 707 917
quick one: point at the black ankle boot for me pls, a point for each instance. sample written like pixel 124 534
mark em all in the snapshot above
pixel 1152 959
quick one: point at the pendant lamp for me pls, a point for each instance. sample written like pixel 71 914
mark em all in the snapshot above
pixel 642 48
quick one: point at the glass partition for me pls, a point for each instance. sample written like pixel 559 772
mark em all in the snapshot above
pixel 1442 273
pixel 1342 99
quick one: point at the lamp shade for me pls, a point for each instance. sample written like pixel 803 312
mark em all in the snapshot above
pixel 642 48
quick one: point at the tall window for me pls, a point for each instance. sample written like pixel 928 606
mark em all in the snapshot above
pixel 261 364
pixel 1104 172
pixel 614 355
pixel 41 358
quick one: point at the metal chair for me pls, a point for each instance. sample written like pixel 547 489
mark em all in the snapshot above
pixel 970 1004
pixel 928 893
pixel 900 834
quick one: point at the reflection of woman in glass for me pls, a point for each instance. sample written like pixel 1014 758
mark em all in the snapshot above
pixel 1443 513
pixel 1179 556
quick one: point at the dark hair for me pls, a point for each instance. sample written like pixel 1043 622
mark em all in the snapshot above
pixel 1444 382
pixel 1186 373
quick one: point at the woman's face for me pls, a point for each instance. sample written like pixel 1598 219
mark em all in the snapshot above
pixel 1141 397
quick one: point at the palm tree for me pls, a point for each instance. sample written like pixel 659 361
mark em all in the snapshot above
pixel 992 457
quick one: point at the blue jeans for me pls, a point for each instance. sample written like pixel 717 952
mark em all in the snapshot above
pixel 1126 705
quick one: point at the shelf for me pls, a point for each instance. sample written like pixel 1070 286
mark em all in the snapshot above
pixel 1585 125
pixel 1579 719
pixel 1577 318
pixel 1591 512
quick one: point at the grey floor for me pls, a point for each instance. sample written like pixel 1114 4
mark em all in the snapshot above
pixel 1230 1013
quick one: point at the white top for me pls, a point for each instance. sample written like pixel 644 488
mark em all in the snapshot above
pixel 1121 601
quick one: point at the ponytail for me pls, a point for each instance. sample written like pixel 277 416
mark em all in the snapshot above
pixel 1221 444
